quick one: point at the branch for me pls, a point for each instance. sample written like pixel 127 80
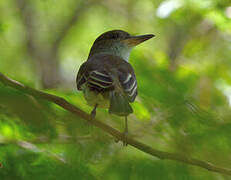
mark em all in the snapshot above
pixel 27 13
pixel 143 147
pixel 77 12
pixel 46 62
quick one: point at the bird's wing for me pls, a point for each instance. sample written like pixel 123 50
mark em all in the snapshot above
pixel 96 72
pixel 81 78
pixel 129 84
pixel 126 76
pixel 99 80
pixel 96 78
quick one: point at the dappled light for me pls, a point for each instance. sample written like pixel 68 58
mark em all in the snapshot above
pixel 180 127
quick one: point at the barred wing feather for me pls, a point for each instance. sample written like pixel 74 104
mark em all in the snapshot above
pixel 97 80
pixel 129 84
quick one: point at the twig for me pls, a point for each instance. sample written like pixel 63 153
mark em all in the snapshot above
pixel 143 147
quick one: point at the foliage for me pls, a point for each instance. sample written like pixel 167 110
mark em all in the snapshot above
pixel 184 88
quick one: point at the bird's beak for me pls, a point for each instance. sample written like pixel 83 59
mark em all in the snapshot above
pixel 135 40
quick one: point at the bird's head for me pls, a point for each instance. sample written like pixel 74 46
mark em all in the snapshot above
pixel 117 42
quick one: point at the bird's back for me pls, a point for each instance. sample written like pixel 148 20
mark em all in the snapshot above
pixel 97 72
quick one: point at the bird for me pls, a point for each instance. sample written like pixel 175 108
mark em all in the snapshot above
pixel 106 78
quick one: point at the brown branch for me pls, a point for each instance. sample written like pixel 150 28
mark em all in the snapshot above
pixel 143 147
pixel 77 12
pixel 45 60
pixel 27 14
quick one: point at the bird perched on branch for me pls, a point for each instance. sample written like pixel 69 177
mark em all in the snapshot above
pixel 106 78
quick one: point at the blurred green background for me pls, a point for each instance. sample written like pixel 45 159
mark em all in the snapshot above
pixel 184 84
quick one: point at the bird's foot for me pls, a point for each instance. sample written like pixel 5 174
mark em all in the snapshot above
pixel 125 134
pixel 124 140
pixel 92 118
pixel 93 113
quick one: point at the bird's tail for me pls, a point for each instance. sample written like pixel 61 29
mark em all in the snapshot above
pixel 119 103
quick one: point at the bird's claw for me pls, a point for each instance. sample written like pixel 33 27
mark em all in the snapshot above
pixel 124 140
pixel 125 133
pixel 93 114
